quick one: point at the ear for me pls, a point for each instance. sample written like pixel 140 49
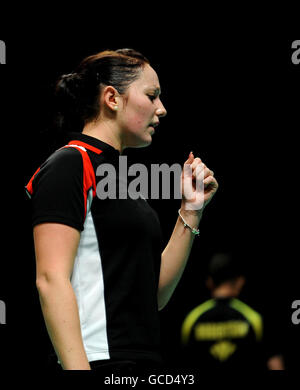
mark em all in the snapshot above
pixel 209 283
pixel 110 97
pixel 240 282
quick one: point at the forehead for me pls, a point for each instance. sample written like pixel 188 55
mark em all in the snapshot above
pixel 148 78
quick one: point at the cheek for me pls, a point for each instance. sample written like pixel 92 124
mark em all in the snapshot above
pixel 139 114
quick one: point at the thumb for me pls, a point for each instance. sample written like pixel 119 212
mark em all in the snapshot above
pixel 190 158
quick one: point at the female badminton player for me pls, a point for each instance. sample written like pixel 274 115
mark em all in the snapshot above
pixel 101 272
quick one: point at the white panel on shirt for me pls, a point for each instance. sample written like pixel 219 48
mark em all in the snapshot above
pixel 87 282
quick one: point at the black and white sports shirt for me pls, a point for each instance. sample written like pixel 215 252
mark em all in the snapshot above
pixel 116 269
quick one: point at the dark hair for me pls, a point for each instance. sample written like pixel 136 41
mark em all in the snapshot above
pixel 224 267
pixel 76 97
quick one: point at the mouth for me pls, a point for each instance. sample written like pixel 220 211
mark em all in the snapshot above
pixel 154 124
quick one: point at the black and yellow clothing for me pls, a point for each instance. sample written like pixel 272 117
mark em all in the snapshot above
pixel 223 333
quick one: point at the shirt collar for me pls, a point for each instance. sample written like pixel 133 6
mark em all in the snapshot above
pixel 97 143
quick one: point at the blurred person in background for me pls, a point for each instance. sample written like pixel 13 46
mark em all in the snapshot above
pixel 224 332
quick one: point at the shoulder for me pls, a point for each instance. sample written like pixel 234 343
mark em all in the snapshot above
pixel 245 309
pixel 63 168
pixel 193 316
pixel 64 156
pixel 57 190
pixel 200 309
pixel 251 315
pixel 64 161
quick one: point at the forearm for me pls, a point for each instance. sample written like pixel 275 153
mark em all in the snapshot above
pixel 60 311
pixel 175 255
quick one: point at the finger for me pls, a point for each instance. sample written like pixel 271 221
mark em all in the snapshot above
pixel 190 158
pixel 197 161
pixel 210 181
pixel 187 167
pixel 208 172
pixel 197 168
pixel 201 172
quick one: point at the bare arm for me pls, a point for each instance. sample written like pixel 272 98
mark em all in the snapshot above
pixel 55 248
pixel 175 256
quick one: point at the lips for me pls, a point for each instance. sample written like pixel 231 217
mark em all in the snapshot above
pixel 154 124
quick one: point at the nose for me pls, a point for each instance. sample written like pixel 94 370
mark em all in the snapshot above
pixel 161 111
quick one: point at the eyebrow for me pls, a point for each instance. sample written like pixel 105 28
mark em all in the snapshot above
pixel 156 90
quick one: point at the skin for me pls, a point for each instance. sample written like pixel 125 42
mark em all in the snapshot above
pixel 227 289
pixel 56 244
pixel 129 125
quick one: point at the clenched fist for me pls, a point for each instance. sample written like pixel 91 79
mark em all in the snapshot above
pixel 198 184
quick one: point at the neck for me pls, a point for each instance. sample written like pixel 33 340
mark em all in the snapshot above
pixel 106 132
pixel 225 291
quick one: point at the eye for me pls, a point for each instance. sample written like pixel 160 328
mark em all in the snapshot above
pixel 152 97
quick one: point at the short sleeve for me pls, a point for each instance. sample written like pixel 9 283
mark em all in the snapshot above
pixel 57 190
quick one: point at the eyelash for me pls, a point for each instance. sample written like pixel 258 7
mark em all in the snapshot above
pixel 152 97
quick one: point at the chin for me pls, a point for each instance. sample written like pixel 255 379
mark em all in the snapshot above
pixel 142 142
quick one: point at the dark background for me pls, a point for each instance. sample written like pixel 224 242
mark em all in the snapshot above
pixel 232 95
